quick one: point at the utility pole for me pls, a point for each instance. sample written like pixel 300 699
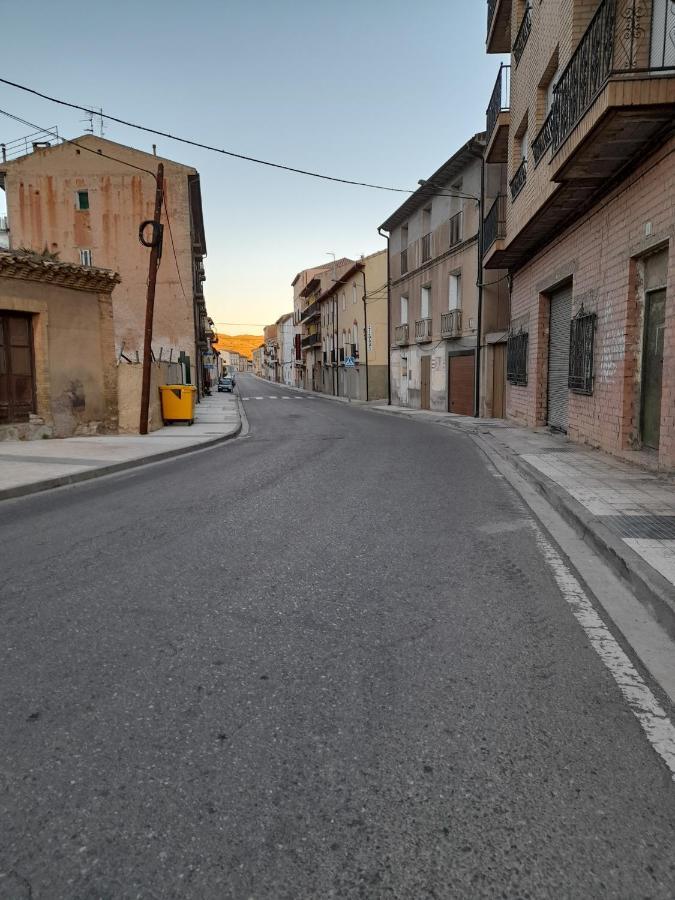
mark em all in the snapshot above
pixel 155 243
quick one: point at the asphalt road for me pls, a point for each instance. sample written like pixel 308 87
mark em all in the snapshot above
pixel 323 660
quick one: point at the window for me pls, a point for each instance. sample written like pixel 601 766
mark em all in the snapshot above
pixel 425 303
pixel 344 301
pixel 455 292
pixel 85 258
pixel 404 237
pixel 582 333
pixel 354 293
pixel 523 146
pixel 355 338
pixel 404 310
pixel 516 357
pixel 82 200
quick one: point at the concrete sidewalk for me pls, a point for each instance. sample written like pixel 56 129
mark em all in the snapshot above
pixel 30 466
pixel 624 512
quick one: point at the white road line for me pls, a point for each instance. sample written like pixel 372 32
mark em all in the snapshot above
pixel 285 398
pixel 258 398
pixel 271 397
pixel 655 723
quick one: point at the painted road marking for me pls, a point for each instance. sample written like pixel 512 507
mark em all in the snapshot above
pixel 655 723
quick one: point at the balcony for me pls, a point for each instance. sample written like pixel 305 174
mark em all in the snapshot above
pixel 494 226
pixel 423 331
pixel 426 247
pixel 498 26
pixel 519 180
pixel 451 324
pixel 456 229
pixel 312 340
pixel 404 261
pixel 310 312
pixel 613 104
pixel 523 34
pixel 401 335
pixel 498 118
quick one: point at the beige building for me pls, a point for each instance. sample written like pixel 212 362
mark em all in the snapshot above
pixel 57 353
pixel 583 120
pixel 259 360
pixel 438 301
pixel 85 203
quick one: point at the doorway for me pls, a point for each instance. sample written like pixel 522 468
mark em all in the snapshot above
pixel 559 358
pixel 652 368
pixel 461 367
pixel 425 375
pixel 498 380
pixel 17 379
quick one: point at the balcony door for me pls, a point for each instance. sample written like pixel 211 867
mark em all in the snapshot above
pixel 17 379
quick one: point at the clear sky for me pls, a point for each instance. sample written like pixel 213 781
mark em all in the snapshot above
pixel 371 90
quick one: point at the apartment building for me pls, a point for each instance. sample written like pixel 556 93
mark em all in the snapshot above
pixel 437 296
pixel 586 130
pixel 352 317
pixel 286 345
pixel 271 353
pixel 85 203
pixel 258 361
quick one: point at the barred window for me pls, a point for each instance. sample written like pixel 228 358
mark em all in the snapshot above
pixel 582 334
pixel 516 357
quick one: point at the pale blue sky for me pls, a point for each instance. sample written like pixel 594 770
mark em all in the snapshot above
pixel 376 90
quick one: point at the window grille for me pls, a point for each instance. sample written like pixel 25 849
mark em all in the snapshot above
pixel 582 335
pixel 516 357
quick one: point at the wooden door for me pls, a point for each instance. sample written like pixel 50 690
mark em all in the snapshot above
pixel 652 368
pixel 460 384
pixel 17 383
pixel 426 382
pixel 498 380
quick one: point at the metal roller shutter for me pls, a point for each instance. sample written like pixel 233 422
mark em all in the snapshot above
pixel 559 358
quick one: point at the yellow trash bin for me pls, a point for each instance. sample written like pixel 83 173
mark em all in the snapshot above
pixel 178 403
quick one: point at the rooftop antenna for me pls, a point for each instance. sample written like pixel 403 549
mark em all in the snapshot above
pixel 91 127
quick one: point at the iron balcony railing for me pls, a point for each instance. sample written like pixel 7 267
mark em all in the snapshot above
pixel 451 324
pixel 623 35
pixel 401 335
pixel 499 101
pixel 494 226
pixel 310 312
pixel 523 34
pixel 423 330
pixel 455 229
pixel 312 340
pixel 426 247
pixel 404 261
pixel 543 140
pixel 517 183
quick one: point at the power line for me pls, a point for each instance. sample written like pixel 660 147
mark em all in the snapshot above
pixel 202 146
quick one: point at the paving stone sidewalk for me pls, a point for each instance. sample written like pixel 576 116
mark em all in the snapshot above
pixel 625 511
pixel 30 466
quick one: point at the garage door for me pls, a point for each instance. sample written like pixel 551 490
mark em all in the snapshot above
pixel 460 384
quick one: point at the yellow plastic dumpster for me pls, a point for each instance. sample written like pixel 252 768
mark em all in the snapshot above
pixel 178 403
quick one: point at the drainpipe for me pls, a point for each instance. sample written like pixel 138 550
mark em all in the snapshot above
pixel 336 326
pixel 381 234
pixel 479 267
pixel 365 328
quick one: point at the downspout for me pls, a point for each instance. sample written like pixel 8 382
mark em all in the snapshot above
pixel 479 267
pixel 365 327
pixel 379 231
pixel 337 351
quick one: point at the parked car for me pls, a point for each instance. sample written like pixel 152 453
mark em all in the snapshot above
pixel 226 384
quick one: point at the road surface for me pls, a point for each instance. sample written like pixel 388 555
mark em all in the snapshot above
pixel 327 659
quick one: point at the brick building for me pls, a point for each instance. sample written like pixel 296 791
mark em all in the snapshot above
pixel 586 228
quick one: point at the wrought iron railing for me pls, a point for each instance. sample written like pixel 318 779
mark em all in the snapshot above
pixel 455 229
pixel 499 101
pixel 517 183
pixel 451 323
pixel 516 357
pixel 582 334
pixel 312 340
pixel 426 247
pixel 494 226
pixel 623 35
pixel 543 140
pixel 523 34
pixel 401 334
pixel 423 330
pixel 310 311
pixel 404 261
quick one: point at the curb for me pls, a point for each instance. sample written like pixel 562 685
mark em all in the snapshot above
pixel 88 475
pixel 650 588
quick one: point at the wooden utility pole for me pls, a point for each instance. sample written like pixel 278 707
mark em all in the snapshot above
pixel 155 255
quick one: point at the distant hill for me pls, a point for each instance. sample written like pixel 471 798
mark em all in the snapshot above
pixel 244 344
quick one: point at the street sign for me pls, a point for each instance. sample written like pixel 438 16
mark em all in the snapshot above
pixel 349 362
